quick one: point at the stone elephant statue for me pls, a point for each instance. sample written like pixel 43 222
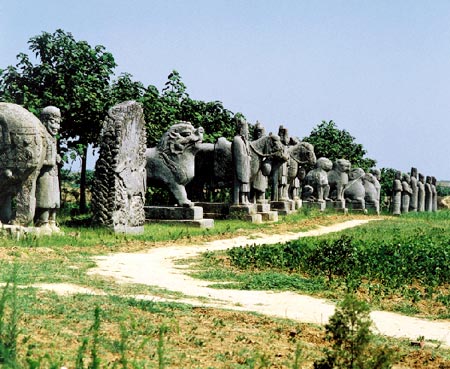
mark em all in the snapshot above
pixel 23 146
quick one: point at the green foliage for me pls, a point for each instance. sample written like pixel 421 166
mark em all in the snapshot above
pixel 352 342
pixel 443 190
pixel 387 178
pixel 387 253
pixel 173 104
pixel 68 74
pixel 333 143
pixel 125 89
pixel 9 330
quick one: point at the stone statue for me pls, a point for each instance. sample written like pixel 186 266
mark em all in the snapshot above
pixel 316 186
pixel 377 178
pixel 118 194
pixel 397 194
pixel 301 157
pixel 240 151
pixel 338 179
pixel 415 191
pixel 260 182
pixel 421 193
pixel 22 152
pixel 372 190
pixel 354 189
pixel 428 194
pixel 47 185
pixel 406 193
pixel 172 162
pixel 279 176
pixel 434 194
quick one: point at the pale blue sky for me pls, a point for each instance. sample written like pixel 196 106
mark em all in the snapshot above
pixel 379 69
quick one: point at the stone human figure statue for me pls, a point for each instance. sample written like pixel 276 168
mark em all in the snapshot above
pixel 434 194
pixel 396 194
pixel 283 170
pixel 47 185
pixel 240 151
pixel 415 190
pixel 421 193
pixel 260 182
pixel 377 177
pixel 406 193
pixel 428 195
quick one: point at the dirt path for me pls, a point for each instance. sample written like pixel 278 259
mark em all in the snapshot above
pixel 157 267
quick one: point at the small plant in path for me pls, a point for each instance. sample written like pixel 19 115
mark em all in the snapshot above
pixel 352 341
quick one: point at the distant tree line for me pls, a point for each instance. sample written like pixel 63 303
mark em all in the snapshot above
pixel 79 79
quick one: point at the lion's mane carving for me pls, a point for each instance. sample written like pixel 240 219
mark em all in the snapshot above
pixel 338 178
pixel 172 162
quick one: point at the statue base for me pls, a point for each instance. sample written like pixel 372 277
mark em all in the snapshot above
pixel 321 206
pixel 283 207
pixel 337 205
pixel 246 212
pixel 192 216
pixel 267 215
pixel 18 232
pixel 356 207
pixel 214 210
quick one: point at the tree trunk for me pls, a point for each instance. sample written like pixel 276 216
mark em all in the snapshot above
pixel 83 202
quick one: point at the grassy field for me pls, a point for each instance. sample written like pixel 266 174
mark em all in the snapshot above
pixel 46 330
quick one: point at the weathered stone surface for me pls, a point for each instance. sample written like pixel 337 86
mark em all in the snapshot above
pixel 282 207
pixel 240 150
pixel 23 149
pixel 316 186
pixel 354 191
pixel 396 201
pixel 406 193
pixel 428 194
pixel 215 210
pixel 434 205
pixel 338 178
pixel 173 213
pixel 171 164
pixel 421 193
pixel 118 194
pixel 413 204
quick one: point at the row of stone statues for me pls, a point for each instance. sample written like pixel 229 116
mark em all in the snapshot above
pixel 413 192
pixel 278 164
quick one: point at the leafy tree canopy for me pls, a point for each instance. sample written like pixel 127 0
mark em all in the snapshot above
pixel 331 142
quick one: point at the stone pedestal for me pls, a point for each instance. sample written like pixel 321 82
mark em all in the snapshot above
pixel 245 212
pixel 321 206
pixel 297 204
pixel 267 215
pixel 192 216
pixel 356 207
pixel 215 210
pixel 337 205
pixel 283 207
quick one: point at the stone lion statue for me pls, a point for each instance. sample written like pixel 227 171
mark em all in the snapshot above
pixel 171 163
pixel 316 182
pixel 338 178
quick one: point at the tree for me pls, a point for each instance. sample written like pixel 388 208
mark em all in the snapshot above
pixel 333 143
pixel 125 89
pixel 351 339
pixel 71 75
pixel 173 104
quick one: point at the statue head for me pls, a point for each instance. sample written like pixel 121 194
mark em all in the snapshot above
pixel 406 178
pixel 259 131
pixel 376 173
pixel 428 180
pixel 242 127
pixel 51 118
pixel 414 172
pixel 421 177
pixel 342 165
pixel 398 175
pixel 284 135
pixel 181 137
pixel 324 163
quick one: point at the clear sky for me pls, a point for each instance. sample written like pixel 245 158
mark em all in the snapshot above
pixel 379 69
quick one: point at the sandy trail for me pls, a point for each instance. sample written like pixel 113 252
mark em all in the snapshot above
pixel 157 267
